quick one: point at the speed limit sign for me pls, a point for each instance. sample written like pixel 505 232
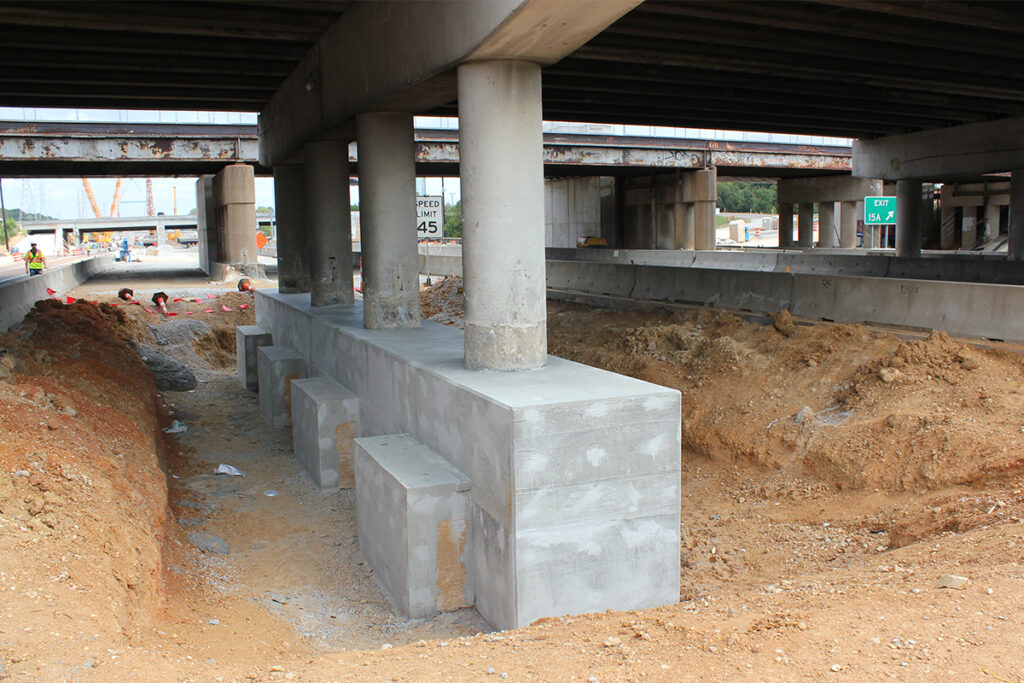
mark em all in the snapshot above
pixel 430 217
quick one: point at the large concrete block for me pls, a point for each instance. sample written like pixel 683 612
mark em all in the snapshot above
pixel 412 512
pixel 278 366
pixel 325 423
pixel 545 451
pixel 248 338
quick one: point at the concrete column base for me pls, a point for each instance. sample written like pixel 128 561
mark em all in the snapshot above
pixel 278 366
pixel 248 339
pixel 412 509
pixel 505 347
pixel 325 423
pixel 386 312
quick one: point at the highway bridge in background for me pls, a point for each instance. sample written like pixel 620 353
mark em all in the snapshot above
pixel 37 149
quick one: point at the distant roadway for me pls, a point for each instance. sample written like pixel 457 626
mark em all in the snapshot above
pixel 9 271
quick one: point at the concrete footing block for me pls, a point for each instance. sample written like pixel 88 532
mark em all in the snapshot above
pixel 325 423
pixel 248 338
pixel 278 366
pixel 412 509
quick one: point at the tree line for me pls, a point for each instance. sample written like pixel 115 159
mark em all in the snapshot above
pixel 747 198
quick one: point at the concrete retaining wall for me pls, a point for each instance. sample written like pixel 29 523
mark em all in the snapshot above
pixel 975 310
pixel 18 296
pixel 945 266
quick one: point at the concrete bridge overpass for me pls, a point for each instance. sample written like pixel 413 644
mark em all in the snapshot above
pixel 566 505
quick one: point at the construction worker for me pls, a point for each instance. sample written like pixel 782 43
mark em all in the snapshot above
pixel 35 262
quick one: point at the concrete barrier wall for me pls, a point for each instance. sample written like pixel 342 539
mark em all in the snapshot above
pixel 976 310
pixel 18 296
pixel 947 266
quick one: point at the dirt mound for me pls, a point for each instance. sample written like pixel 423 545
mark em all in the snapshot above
pixel 442 302
pixel 851 406
pixel 82 497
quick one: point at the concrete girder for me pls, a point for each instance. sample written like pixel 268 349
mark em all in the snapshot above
pixel 827 189
pixel 401 56
pixel 942 154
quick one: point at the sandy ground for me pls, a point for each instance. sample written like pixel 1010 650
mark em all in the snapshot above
pixel 832 477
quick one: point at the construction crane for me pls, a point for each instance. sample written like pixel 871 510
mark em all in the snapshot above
pixel 150 206
pixel 115 206
pixel 92 198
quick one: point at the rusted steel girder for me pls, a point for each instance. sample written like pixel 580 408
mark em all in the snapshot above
pixel 184 148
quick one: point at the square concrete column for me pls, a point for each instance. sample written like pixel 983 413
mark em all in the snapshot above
pixel 1015 249
pixel 325 424
pixel 848 225
pixel 502 171
pixel 206 223
pixel 248 340
pixel 785 225
pixel 991 220
pixel 292 235
pixel 387 215
pixel 908 218
pixel 805 225
pixel 234 194
pixel 329 219
pixel 969 228
pixel 947 232
pixel 827 236
pixel 278 366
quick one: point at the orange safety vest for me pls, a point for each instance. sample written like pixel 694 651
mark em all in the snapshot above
pixel 35 259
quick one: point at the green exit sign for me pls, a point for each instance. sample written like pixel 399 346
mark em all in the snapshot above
pixel 879 210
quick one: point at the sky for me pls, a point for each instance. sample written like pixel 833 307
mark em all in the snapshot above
pixel 64 198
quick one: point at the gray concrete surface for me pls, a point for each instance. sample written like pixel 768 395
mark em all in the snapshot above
pixel 412 511
pixel 565 460
pixel 277 367
pixel 18 295
pixel 325 422
pixel 248 338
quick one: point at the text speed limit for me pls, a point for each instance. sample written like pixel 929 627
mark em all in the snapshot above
pixel 430 217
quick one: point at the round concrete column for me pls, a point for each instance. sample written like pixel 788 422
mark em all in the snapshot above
pixel 329 221
pixel 805 225
pixel 827 225
pixel 908 214
pixel 1015 249
pixel 848 225
pixel 502 170
pixel 387 215
pixel 785 225
pixel 290 214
